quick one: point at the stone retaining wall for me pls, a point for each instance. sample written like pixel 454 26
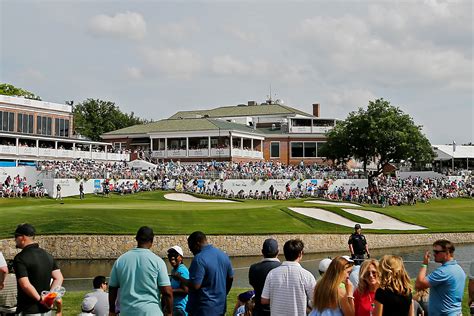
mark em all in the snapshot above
pixel 110 247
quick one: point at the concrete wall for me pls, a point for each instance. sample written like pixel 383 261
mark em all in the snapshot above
pixel 30 173
pixel 110 247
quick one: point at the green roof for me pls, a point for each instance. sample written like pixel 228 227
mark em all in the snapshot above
pixel 241 110
pixel 179 125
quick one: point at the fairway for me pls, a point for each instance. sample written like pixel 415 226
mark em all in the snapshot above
pixel 123 214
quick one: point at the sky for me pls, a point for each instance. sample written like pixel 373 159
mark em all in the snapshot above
pixel 159 57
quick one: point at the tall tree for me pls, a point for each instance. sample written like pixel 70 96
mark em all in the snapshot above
pixel 95 117
pixel 382 133
pixel 11 90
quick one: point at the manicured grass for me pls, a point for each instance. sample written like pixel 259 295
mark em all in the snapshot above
pixel 124 214
pixel 72 301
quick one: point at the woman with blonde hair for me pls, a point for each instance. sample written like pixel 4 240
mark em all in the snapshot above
pixel 369 282
pixel 333 294
pixel 393 297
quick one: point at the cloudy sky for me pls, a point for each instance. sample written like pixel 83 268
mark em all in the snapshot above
pixel 158 57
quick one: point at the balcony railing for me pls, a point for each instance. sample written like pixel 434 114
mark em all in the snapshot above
pixel 60 153
pixel 215 153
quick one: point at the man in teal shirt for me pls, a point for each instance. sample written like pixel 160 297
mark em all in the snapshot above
pixel 141 276
pixel 446 283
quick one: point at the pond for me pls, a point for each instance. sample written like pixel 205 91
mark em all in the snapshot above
pixel 78 274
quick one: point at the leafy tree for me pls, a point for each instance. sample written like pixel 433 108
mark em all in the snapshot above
pixel 380 133
pixel 95 117
pixel 11 90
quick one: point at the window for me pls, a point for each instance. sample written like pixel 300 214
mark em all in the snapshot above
pixel 320 145
pixel 310 150
pixel 44 125
pixel 7 121
pixel 297 150
pixel 275 150
pixel 61 127
pixel 25 123
pixel 305 149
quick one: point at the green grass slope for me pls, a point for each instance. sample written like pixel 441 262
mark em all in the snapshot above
pixel 124 214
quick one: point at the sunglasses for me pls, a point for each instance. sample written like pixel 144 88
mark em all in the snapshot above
pixel 438 251
pixel 373 273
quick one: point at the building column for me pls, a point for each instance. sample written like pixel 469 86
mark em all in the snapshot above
pixel 187 146
pixel 241 143
pixel 312 122
pixel 251 144
pixel 166 147
pixel 37 147
pixel 209 146
pixel 17 141
pixel 231 144
pixel 90 151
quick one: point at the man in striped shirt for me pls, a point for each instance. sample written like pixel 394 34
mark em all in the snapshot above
pixel 289 288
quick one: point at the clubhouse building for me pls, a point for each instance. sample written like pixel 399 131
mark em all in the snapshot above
pixel 244 132
pixel 32 130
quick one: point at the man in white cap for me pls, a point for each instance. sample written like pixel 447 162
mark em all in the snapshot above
pixel 323 265
pixel 180 290
pixel 88 305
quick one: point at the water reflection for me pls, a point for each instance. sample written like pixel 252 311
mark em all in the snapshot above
pixel 79 273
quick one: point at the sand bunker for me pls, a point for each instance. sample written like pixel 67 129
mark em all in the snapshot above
pixel 332 203
pixel 379 221
pixel 182 197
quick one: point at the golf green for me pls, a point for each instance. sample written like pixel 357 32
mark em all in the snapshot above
pixel 123 214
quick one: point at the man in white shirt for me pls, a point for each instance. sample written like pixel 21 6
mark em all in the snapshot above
pixel 3 270
pixel 100 287
pixel 289 288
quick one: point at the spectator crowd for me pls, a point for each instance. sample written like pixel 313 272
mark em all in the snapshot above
pixel 139 282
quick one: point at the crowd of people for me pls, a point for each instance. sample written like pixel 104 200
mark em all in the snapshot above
pixel 17 187
pixel 85 168
pixel 139 282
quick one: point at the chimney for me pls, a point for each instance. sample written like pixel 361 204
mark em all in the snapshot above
pixel 316 110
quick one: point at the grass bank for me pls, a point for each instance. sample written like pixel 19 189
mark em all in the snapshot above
pixel 124 214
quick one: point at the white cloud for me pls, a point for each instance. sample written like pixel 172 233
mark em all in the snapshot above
pixel 32 74
pixel 130 25
pixel 349 99
pixel 175 63
pixel 242 35
pixel 178 31
pixel 228 65
pixel 134 72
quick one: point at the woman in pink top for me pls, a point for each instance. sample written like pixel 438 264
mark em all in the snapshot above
pixel 369 281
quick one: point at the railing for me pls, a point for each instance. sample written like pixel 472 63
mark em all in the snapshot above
pixel 308 129
pixel 215 152
pixel 60 153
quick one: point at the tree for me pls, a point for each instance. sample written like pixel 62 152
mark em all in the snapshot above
pixel 95 117
pixel 11 90
pixel 380 133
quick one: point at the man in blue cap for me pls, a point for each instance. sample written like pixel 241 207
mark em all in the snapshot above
pixel 258 273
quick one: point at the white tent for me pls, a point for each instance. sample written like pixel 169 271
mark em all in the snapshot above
pixel 141 164
pixel 448 152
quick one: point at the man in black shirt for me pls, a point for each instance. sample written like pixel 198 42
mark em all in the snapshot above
pixel 34 269
pixel 358 246
pixel 258 273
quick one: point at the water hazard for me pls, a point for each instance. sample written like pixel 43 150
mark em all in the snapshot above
pixel 79 273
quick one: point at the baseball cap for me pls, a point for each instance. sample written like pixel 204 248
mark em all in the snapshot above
pixel 88 303
pixel 357 226
pixel 270 246
pixel 349 259
pixel 177 249
pixel 25 230
pixel 246 296
pixel 324 264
